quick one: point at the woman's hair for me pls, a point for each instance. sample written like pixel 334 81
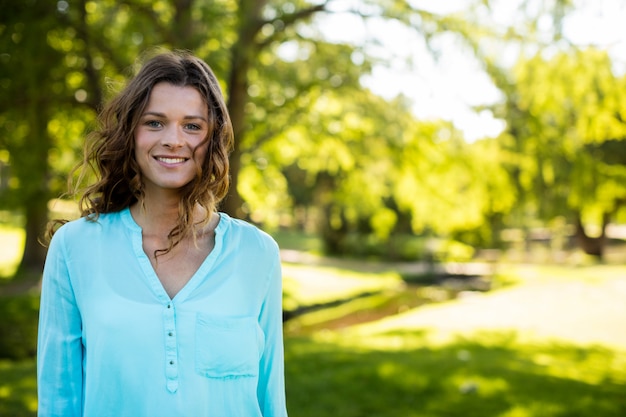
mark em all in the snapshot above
pixel 110 150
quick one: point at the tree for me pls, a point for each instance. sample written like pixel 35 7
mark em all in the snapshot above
pixel 560 111
pixel 32 90
pixel 93 44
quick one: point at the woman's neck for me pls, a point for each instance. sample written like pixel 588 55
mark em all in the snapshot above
pixel 156 216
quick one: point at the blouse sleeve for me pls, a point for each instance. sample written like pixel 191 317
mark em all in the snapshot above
pixel 59 345
pixel 271 388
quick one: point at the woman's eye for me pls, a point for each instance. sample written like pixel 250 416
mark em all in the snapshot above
pixel 153 124
pixel 193 126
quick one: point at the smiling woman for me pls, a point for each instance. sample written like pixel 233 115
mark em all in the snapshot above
pixel 153 303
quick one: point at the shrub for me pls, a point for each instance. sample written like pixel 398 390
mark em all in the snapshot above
pixel 18 326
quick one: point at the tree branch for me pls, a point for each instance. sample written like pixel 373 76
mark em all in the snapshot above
pixel 90 71
pixel 289 19
pixel 148 12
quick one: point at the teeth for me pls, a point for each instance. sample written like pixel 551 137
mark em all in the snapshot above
pixel 171 160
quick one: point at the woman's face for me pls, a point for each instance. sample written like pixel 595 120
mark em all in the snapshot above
pixel 171 128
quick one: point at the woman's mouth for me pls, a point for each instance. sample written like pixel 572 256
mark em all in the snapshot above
pixel 170 160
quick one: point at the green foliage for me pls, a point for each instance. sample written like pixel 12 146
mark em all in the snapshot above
pixel 18 388
pixel 559 107
pixel 18 327
pixel 314 149
pixel 354 168
pixel 299 241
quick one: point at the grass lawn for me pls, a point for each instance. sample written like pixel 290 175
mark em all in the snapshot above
pixel 18 388
pixel 552 345
pixel 305 285
pixel 487 375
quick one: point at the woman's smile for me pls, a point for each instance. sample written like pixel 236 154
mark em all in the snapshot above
pixel 169 160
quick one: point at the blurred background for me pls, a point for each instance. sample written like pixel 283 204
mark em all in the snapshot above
pixel 447 182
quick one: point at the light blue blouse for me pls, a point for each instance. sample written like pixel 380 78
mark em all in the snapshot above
pixel 113 343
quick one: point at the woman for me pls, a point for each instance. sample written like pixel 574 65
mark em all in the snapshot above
pixel 153 303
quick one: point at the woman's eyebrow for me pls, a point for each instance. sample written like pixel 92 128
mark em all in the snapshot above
pixel 163 116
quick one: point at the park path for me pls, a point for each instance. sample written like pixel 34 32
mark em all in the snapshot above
pixel 587 309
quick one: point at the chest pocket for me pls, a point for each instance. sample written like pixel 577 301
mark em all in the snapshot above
pixel 227 347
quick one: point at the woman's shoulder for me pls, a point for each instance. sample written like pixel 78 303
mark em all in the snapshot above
pixel 88 225
pixel 247 233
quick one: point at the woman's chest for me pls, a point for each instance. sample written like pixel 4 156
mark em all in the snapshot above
pixel 175 268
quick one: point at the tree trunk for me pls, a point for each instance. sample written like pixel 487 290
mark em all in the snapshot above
pixel 34 251
pixel 37 65
pixel 593 246
pixel 333 235
pixel 237 98
pixel 334 238
pixel 35 193
pixel 242 55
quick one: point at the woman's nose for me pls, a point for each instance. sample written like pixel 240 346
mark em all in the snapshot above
pixel 172 137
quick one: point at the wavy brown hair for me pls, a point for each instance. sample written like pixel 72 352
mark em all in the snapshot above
pixel 110 150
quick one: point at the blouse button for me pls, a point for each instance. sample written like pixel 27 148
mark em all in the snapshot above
pixel 171 362
pixel 170 334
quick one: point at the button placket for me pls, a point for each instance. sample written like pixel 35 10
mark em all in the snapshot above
pixel 171 347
